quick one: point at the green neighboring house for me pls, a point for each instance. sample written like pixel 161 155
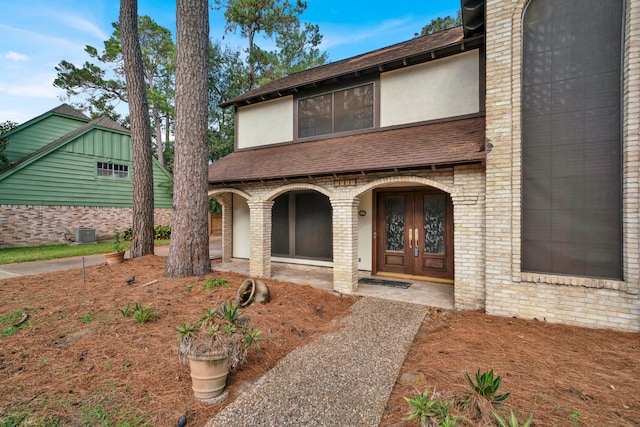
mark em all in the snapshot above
pixel 69 178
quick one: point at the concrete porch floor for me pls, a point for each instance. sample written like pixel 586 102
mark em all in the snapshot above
pixel 425 293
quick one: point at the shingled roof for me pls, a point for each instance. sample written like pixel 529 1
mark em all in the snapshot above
pixel 435 144
pixel 411 52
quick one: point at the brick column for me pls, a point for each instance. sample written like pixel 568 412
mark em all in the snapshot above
pixel 345 244
pixel 226 200
pixel 260 238
pixel 469 237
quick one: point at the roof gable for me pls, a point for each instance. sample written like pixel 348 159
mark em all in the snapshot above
pixel 100 123
pixel 63 110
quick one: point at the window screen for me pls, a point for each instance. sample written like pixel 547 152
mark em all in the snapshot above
pixel 571 137
pixel 302 226
pixel 340 111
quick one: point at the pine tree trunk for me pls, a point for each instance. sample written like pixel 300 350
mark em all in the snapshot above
pixel 142 233
pixel 189 249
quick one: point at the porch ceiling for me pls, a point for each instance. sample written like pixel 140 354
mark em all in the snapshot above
pixel 434 144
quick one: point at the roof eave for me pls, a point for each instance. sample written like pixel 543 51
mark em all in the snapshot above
pixel 437 165
pixel 397 63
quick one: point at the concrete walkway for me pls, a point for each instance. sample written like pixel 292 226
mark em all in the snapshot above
pixel 342 379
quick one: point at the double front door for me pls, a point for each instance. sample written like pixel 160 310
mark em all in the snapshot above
pixel 414 233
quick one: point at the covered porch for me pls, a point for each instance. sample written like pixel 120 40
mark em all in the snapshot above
pixel 419 292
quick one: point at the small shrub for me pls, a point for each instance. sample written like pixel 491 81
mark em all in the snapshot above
pixel 144 313
pixel 87 318
pixel 117 242
pixel 126 234
pixel 140 313
pixel 162 232
pixel 431 409
pixel 125 311
pixel 487 386
pixel 212 282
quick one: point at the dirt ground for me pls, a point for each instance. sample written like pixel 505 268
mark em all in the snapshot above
pixel 78 361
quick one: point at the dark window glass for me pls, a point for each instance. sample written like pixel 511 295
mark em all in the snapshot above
pixel 339 111
pixel 353 108
pixel 280 226
pixel 394 224
pixel 302 226
pixel 571 138
pixel 314 116
pixel 434 209
pixel 313 226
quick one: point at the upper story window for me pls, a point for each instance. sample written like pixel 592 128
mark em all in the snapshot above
pixel 339 111
pixel 113 170
pixel 572 138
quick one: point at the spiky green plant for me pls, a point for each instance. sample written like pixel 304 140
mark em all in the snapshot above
pixel 513 421
pixel 487 386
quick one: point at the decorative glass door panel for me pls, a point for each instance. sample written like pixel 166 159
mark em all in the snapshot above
pixel 415 233
pixel 394 224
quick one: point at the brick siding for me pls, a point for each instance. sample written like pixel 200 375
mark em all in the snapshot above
pixel 26 225
pixel 572 300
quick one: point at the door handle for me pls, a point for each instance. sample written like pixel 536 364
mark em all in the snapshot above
pixel 410 238
pixel 416 237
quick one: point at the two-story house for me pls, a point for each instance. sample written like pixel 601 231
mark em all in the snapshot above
pixel 501 157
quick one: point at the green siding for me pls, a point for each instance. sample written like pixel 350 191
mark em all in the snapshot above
pixel 103 144
pixel 68 176
pixel 32 138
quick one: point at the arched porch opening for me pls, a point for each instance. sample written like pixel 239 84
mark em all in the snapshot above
pixel 302 227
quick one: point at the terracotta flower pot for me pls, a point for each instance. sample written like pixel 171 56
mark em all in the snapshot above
pixel 208 375
pixel 114 257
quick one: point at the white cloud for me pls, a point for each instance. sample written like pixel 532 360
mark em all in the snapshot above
pixel 382 34
pixel 15 56
pixel 39 86
pixel 82 24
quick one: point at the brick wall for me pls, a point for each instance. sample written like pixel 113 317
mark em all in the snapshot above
pixel 24 225
pixel 571 300
pixel 464 184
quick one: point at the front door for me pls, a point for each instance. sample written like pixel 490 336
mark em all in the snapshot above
pixel 414 233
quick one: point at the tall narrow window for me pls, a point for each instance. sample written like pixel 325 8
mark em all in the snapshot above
pixel 571 137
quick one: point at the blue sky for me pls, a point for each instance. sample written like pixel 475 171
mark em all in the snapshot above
pixel 35 35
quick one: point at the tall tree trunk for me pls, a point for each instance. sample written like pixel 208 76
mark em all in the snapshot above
pixel 189 249
pixel 142 233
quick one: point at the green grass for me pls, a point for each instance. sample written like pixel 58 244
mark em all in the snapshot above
pixel 8 321
pixel 37 253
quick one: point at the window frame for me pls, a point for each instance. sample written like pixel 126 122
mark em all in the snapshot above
pixel 553 270
pixel 116 173
pixel 332 91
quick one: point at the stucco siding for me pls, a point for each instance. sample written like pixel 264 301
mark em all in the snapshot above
pixel 446 87
pixel 241 245
pixel 265 123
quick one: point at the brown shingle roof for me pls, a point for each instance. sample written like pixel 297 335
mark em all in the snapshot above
pixel 442 143
pixel 402 54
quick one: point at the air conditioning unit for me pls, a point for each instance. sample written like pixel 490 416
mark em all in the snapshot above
pixel 85 235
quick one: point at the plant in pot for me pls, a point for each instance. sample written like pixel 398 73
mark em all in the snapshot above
pixel 117 255
pixel 214 346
